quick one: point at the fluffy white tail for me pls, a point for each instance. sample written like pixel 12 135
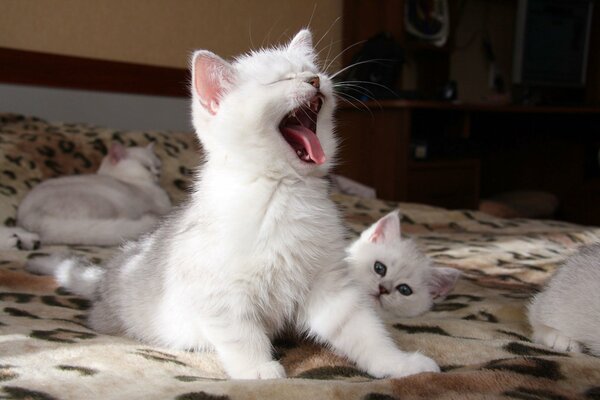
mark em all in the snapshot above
pixel 99 232
pixel 72 273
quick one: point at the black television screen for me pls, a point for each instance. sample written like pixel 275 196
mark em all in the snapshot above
pixel 551 42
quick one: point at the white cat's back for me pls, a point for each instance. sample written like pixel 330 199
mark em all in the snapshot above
pixel 93 196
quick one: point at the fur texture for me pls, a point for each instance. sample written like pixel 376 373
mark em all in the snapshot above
pixel 399 278
pixel 120 202
pixel 259 247
pixel 566 314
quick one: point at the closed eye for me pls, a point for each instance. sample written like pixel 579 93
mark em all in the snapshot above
pixel 279 80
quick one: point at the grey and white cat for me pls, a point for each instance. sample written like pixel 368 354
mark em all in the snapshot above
pixel 399 278
pixel 120 202
pixel 260 246
pixel 566 314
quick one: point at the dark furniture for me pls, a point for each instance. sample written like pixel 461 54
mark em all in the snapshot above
pixel 474 151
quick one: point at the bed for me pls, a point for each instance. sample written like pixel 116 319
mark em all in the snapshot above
pixel 478 334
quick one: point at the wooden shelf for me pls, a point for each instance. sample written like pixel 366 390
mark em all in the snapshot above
pixel 487 107
pixel 415 165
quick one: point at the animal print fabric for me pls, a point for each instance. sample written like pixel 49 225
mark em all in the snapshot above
pixel 478 334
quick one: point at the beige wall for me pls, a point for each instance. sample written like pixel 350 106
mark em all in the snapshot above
pixel 162 32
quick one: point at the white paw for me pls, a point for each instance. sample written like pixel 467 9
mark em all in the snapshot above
pixel 268 370
pixel 404 365
pixel 28 241
pixel 555 339
pixel 17 238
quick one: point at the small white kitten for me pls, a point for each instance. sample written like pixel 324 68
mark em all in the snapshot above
pixel 566 314
pixel 120 202
pixel 401 280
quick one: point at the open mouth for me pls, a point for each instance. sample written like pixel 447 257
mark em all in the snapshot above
pixel 299 129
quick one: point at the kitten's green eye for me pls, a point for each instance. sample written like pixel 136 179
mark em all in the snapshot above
pixel 404 289
pixel 379 268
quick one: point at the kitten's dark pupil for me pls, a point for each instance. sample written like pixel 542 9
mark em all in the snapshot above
pixel 404 289
pixel 380 268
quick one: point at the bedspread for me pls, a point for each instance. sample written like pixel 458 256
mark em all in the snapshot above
pixel 479 334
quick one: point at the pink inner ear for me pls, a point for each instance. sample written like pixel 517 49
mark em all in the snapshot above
pixel 386 228
pixel 302 41
pixel 211 75
pixel 116 153
pixel 443 281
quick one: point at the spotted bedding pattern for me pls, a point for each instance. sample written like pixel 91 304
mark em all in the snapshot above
pixel 478 334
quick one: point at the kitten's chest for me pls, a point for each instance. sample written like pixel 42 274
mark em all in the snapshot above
pixel 282 239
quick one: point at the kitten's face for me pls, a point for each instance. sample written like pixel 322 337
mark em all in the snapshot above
pixel 399 278
pixel 134 164
pixel 271 109
pixel 395 275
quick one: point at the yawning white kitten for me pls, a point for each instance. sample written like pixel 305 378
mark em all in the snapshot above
pixel 260 246
pixel 400 279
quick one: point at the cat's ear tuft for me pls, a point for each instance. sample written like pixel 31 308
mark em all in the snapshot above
pixel 302 42
pixel 386 229
pixel 443 280
pixel 116 153
pixel 211 78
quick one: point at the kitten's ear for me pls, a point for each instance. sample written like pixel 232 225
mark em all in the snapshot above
pixel 116 153
pixel 302 42
pixel 211 77
pixel 387 228
pixel 443 280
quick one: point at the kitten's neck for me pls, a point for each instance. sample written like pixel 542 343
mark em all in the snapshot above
pixel 231 184
pixel 245 170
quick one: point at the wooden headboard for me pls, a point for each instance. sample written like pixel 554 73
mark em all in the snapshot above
pixel 100 92
pixel 59 71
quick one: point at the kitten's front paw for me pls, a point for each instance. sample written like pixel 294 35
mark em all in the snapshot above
pixel 404 365
pixel 268 370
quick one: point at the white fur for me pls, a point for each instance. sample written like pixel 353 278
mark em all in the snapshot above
pixel 120 202
pixel 69 272
pixel 566 314
pixel 260 246
pixel 404 263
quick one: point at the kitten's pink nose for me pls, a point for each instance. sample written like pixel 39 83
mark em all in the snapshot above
pixel 314 81
pixel 383 290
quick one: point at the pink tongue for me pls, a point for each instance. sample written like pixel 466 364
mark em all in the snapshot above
pixel 304 136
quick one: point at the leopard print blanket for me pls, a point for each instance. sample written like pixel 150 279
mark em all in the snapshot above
pixel 478 334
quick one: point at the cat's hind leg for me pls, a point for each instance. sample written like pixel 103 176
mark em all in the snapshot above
pixel 18 238
pixel 555 339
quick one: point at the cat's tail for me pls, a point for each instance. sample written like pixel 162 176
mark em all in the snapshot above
pixel 72 273
pixel 98 232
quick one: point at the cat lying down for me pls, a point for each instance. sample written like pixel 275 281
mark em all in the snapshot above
pixel 566 314
pixel 399 278
pixel 120 202
pixel 260 246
